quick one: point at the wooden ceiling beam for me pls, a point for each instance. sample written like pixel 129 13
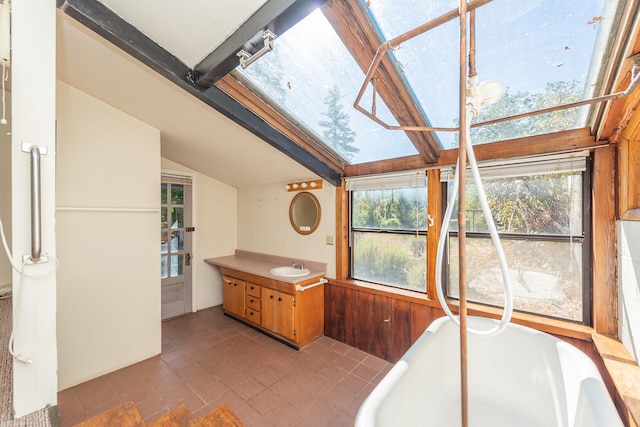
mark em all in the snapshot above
pixel 358 35
pixel 528 146
pixel 238 91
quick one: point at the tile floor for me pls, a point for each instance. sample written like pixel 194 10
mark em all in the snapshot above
pixel 208 359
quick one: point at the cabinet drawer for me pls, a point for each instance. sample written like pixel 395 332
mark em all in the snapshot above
pixel 253 303
pixel 254 290
pixel 253 316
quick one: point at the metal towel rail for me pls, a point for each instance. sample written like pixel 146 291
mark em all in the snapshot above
pixel 313 285
pixel 36 228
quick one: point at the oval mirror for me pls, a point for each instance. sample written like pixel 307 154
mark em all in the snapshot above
pixel 304 213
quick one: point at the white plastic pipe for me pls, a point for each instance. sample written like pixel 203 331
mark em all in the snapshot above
pixel 495 238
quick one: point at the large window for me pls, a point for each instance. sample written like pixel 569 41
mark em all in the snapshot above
pixel 541 221
pixel 388 233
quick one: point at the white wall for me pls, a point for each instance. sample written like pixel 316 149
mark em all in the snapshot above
pixel 264 226
pixel 5 192
pixel 109 278
pixel 629 286
pixel 215 218
pixel 33 85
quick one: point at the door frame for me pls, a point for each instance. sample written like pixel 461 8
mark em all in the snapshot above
pixel 194 235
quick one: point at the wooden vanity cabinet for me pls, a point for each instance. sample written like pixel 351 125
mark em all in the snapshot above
pixel 233 296
pixel 275 307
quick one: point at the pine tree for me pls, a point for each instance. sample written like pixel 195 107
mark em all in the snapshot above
pixel 337 132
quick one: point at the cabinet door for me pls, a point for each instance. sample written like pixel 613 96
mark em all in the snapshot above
pixel 374 325
pixel 278 313
pixel 269 309
pixel 233 296
pixel 285 313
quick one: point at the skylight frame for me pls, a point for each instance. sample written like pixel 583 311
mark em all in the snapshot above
pixel 304 124
pixel 597 56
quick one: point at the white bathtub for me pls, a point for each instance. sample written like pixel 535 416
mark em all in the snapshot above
pixel 521 377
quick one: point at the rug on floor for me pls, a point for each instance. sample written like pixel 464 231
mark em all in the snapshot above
pixel 36 419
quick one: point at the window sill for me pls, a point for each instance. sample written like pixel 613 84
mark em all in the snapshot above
pixel 624 373
pixel 552 326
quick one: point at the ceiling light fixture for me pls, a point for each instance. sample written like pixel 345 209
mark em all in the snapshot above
pixel 304 185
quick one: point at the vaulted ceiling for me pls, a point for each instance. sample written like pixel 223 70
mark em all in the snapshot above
pixel 202 128
pixel 171 64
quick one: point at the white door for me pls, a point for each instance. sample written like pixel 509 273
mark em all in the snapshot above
pixel 175 246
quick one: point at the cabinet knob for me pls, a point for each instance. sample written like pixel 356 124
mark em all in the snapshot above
pixel 235 284
pixel 271 296
pixel 252 288
pixel 279 299
pixel 250 300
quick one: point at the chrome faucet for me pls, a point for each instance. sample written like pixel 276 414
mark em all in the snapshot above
pixel 299 266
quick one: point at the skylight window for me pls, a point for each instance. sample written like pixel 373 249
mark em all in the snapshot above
pixel 312 76
pixel 544 53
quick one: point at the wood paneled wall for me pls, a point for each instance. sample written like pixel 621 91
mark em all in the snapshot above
pixel 373 322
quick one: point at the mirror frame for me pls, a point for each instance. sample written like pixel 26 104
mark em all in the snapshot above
pixel 315 202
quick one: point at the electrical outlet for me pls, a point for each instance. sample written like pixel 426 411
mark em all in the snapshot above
pixel 329 239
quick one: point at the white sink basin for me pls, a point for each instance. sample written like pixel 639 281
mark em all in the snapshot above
pixel 289 271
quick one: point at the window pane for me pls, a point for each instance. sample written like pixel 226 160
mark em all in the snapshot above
pixel 177 217
pixel 396 209
pixel 317 87
pixel 391 259
pixel 164 221
pixel 163 193
pixel 546 275
pixel 163 267
pixel 543 53
pixel 540 204
pixel 176 265
pixel 177 194
pixel 177 241
pixel 163 241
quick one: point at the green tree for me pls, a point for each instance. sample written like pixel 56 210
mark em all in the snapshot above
pixel 336 129
pixel 554 94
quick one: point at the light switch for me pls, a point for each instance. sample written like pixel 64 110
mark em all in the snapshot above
pixel 329 239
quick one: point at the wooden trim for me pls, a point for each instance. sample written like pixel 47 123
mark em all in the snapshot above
pixel 352 25
pixel 605 313
pixel 434 209
pixel 624 372
pixel 342 232
pixel 629 168
pixel 239 92
pixel 528 146
pixel 552 326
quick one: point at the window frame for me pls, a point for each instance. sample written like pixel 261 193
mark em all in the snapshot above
pixel 585 239
pixel 424 233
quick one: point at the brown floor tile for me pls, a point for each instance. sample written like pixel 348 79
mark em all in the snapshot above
pixel 214 391
pixel 282 414
pixel 365 372
pixel 264 401
pixel 209 359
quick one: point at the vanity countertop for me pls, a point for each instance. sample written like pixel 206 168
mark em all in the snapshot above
pixel 261 265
